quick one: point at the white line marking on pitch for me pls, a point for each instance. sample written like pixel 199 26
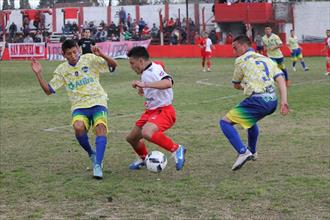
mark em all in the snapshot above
pixel 202 82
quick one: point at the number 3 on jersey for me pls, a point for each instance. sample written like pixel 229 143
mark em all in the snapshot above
pixel 266 71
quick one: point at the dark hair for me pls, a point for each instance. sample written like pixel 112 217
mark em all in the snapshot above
pixel 68 44
pixel 138 52
pixel 242 39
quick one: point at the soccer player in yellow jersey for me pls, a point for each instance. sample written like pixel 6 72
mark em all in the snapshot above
pixel 80 76
pixel 296 53
pixel 255 74
pixel 272 44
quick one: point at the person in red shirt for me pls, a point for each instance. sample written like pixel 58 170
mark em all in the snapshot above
pixel 326 49
pixel 201 42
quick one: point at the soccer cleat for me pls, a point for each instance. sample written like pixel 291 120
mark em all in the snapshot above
pixel 204 70
pixel 241 159
pixel 208 70
pixel 254 156
pixel 93 159
pixel 136 165
pixel 179 157
pixel 97 171
pixel 294 69
pixel 306 69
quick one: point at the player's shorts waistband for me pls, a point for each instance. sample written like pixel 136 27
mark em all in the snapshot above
pixel 266 96
pixel 160 108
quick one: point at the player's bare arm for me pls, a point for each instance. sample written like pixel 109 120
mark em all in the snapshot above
pixel 284 107
pixel 37 69
pixel 111 62
pixel 162 84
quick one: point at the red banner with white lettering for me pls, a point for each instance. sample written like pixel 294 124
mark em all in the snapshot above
pixel 112 49
pixel 26 50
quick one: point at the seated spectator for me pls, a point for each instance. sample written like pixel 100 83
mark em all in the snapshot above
pixel 112 28
pixel 135 36
pixel 38 37
pixel 114 37
pixel 101 35
pixel 28 39
pixel 213 37
pixel 174 39
pixel 127 35
pixel 154 31
pixel 66 29
pixel 74 27
pixel 229 38
pixel 145 33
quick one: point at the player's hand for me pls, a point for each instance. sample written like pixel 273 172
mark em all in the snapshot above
pixel 140 91
pixel 97 51
pixel 36 66
pixel 284 108
pixel 137 83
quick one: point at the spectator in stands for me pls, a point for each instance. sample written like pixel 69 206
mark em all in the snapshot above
pixel 145 33
pixel 38 37
pixel 36 20
pixel 19 38
pixel 66 29
pixel 12 31
pixel 174 39
pixel 102 24
pixel 213 37
pixel 259 44
pixel 129 20
pixel 170 25
pixel 42 22
pixel 114 37
pixel 112 29
pixel 127 35
pixel 76 37
pixel 85 26
pixel 101 35
pixel 28 39
pixel 135 36
pixel 142 23
pixel 74 27
pixel 62 38
pixel 229 38
pixel 26 22
pixel 154 31
pixel 86 42
pixel 122 16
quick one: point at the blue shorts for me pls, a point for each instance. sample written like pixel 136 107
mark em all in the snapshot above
pixel 296 53
pixel 252 109
pixel 91 116
pixel 280 62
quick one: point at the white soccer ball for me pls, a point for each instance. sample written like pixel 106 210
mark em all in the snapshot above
pixel 156 161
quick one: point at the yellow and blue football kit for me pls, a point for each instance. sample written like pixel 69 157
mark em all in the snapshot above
pixel 276 55
pixel 256 74
pixel 83 88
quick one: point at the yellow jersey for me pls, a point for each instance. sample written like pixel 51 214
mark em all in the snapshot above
pixel 293 43
pixel 271 41
pixel 256 73
pixel 82 81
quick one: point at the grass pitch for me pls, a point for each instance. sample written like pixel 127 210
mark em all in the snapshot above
pixel 44 173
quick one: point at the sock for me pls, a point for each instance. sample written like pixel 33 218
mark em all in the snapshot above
pixel 253 134
pixel 328 67
pixel 163 141
pixel 208 64
pixel 303 64
pixel 294 63
pixel 232 135
pixel 203 63
pixel 141 150
pixel 286 76
pixel 100 143
pixel 84 143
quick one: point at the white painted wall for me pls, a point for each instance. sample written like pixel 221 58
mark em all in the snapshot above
pixel 95 14
pixel 312 18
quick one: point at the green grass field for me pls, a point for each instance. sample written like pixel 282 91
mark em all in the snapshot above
pixel 44 173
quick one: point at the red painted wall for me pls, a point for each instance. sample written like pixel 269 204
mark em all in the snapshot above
pixel 193 51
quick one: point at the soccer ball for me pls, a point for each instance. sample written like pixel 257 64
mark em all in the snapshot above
pixel 156 161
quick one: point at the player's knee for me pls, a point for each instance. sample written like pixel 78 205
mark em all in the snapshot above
pixel 100 130
pixel 132 139
pixel 79 127
pixel 147 133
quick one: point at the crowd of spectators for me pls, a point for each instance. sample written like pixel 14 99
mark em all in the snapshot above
pixel 174 29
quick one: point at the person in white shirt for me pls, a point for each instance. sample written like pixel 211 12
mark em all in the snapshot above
pixel 208 52
pixel 156 86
